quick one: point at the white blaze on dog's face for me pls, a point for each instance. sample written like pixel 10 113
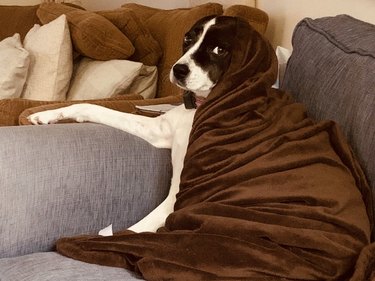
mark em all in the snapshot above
pixel 207 52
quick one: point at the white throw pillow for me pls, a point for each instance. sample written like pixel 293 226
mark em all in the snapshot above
pixel 94 79
pixel 51 62
pixel 14 65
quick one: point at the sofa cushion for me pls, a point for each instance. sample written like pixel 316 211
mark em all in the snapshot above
pixel 92 35
pixel 95 79
pixel 147 49
pixel 169 27
pixel 70 179
pixel 331 71
pixel 51 61
pixel 52 266
pixel 15 64
pixel 17 19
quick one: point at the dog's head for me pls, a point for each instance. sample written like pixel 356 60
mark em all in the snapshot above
pixel 207 51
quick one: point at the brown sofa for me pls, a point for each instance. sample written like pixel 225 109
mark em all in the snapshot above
pixel 133 32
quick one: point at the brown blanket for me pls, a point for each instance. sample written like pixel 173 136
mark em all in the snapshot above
pixel 266 193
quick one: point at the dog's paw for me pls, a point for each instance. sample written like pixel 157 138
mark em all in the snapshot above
pixel 45 117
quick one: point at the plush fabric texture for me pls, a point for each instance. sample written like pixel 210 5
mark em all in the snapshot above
pixel 365 266
pixel 51 61
pixel 17 19
pixel 73 179
pixel 14 66
pixel 162 24
pixel 94 79
pixel 266 193
pixel 10 109
pixel 342 91
pixel 147 49
pixel 257 18
pixel 123 103
pixel 92 35
pixel 52 266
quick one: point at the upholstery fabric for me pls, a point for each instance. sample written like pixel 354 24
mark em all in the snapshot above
pixel 145 84
pixel 266 193
pixel 52 266
pixel 169 27
pixel 331 70
pixel 17 19
pixel 10 109
pixel 93 79
pixel 15 62
pixel 147 49
pixel 92 35
pixel 51 61
pixel 74 179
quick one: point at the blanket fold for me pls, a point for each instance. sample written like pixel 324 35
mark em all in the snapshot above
pixel 266 193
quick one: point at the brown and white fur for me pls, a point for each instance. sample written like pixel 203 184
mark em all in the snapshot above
pixel 207 49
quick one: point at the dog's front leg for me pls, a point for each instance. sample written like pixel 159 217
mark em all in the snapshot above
pixel 156 219
pixel 157 131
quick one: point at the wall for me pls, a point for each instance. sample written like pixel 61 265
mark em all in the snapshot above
pixel 285 14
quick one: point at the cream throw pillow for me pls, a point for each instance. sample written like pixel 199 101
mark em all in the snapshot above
pixel 94 79
pixel 51 62
pixel 14 65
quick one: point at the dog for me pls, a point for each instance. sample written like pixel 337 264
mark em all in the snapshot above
pixel 206 56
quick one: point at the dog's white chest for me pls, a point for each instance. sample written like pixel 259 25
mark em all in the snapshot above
pixel 181 121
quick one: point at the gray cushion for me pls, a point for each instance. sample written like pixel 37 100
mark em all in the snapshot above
pixel 64 180
pixel 332 71
pixel 52 266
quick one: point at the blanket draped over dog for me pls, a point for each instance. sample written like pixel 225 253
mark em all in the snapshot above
pixel 266 193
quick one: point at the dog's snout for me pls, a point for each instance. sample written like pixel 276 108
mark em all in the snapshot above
pixel 180 71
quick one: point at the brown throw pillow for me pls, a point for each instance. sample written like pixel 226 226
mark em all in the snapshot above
pixel 17 19
pixel 147 49
pixel 10 109
pixel 169 27
pixel 92 35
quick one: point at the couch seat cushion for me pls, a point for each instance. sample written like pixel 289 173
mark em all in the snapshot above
pixel 52 266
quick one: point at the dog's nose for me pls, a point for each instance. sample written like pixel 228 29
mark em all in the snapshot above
pixel 180 71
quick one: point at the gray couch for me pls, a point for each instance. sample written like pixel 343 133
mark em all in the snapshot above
pixel 62 180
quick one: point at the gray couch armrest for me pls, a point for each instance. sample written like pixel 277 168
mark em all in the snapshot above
pixel 331 71
pixel 62 180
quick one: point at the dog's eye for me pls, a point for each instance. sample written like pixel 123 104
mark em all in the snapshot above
pixel 187 40
pixel 219 51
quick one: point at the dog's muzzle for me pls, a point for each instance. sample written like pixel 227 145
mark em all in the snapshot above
pixel 180 71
